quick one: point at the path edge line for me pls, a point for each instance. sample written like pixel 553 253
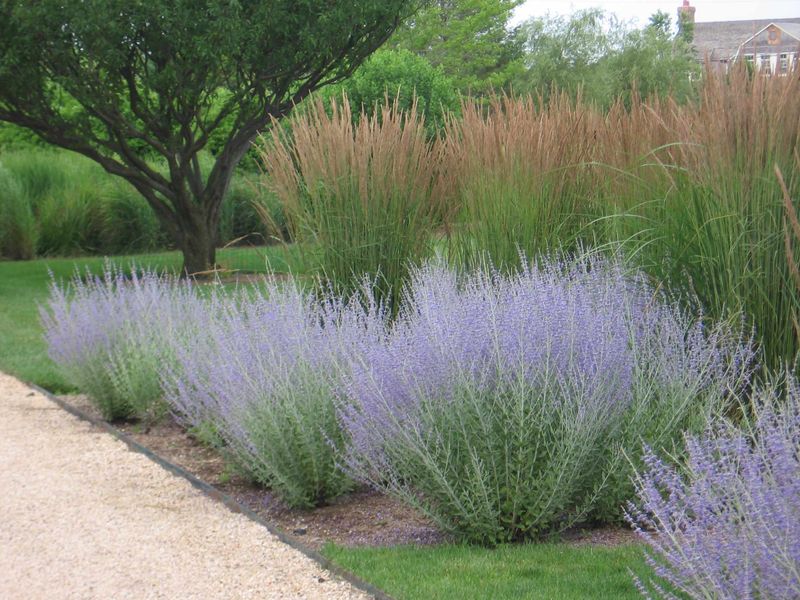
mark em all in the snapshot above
pixel 219 496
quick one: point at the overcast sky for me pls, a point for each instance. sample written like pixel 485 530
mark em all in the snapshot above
pixel 639 11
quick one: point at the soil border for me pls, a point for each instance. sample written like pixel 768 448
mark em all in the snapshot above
pixel 218 496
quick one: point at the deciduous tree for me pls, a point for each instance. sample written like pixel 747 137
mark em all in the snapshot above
pixel 122 80
pixel 469 39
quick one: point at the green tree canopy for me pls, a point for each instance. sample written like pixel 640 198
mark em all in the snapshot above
pixel 653 62
pixel 469 39
pixel 569 53
pixel 118 80
pixel 592 51
pixel 405 77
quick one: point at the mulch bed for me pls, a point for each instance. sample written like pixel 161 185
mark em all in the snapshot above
pixel 362 518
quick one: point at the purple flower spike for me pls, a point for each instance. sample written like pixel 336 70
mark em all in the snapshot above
pixel 725 523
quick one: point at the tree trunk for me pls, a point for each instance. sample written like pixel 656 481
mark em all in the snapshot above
pixel 198 242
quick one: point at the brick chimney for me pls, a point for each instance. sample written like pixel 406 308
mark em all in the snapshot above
pixel 686 12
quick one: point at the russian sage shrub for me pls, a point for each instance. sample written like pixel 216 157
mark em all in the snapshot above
pixel 685 373
pixel 264 378
pixel 499 405
pixel 724 523
pixel 110 335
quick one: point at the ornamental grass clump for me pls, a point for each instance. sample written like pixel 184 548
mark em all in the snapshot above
pixel 264 377
pixel 366 197
pixel 703 211
pixel 18 229
pixel 725 522
pixel 519 177
pixel 502 405
pixel 110 335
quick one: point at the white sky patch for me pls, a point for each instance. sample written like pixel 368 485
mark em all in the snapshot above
pixel 637 12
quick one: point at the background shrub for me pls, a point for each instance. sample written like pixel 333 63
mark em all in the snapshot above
pixel 401 76
pixel 14 138
pixel 251 214
pixel 725 522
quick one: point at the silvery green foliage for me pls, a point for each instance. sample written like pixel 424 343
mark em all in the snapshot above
pixel 685 374
pixel 502 406
pixel 725 524
pixel 110 335
pixel 264 375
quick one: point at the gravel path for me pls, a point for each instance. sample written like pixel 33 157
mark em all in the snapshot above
pixel 83 517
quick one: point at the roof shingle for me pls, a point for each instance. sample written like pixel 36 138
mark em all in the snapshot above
pixel 721 39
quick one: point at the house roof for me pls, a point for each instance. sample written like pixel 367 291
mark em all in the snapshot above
pixel 721 39
pixel 793 29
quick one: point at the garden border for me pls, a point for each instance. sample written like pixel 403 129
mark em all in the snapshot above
pixel 218 496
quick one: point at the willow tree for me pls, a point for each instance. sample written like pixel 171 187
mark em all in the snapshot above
pixel 123 81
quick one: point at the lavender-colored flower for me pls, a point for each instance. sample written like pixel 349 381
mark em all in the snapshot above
pixel 264 375
pixel 726 522
pixel 502 405
pixel 109 335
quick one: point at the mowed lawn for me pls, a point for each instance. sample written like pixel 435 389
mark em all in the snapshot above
pixel 547 570
pixel 24 286
pixel 541 571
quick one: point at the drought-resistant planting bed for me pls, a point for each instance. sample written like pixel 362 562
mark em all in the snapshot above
pixel 509 404
pixel 503 406
pixel 687 189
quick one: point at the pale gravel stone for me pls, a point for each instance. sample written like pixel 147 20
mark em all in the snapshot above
pixel 81 516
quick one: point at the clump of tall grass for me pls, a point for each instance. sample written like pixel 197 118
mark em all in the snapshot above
pixel 110 335
pixel 707 218
pixel 364 195
pixel 72 220
pixel 77 207
pixel 687 190
pixel 67 194
pixel 39 172
pixel 509 406
pixel 57 203
pixel 520 177
pixel 130 224
pixel 19 233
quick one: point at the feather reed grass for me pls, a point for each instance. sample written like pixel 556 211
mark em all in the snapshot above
pixel 521 182
pixel 704 212
pixel 685 189
pixel 365 196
